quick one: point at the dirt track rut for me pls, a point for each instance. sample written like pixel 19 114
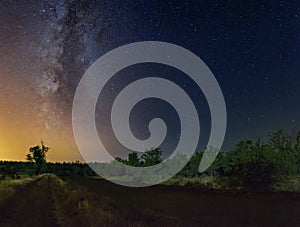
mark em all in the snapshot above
pixel 31 205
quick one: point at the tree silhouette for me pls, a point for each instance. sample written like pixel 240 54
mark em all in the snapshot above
pixel 37 155
pixel 152 157
pixel 149 158
pixel 133 159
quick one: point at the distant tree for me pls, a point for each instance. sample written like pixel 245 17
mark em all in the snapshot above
pixel 37 155
pixel 8 171
pixel 287 152
pixel 152 157
pixel 133 159
pixel 261 164
pixel 148 158
pixel 280 142
pixel 119 159
pixel 191 169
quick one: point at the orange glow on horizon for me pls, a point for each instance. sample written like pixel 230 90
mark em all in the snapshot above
pixel 21 127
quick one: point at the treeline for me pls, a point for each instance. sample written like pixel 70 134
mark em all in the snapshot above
pixel 254 163
pixel 250 163
pixel 15 170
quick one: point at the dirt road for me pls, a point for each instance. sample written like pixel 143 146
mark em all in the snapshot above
pixel 30 205
pixel 49 201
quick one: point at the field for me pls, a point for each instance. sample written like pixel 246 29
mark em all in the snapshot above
pixel 81 201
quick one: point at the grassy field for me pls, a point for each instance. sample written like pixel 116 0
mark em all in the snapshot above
pixel 79 201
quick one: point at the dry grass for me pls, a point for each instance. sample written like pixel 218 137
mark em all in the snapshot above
pixel 93 202
pixel 8 187
pixel 77 206
pixel 203 181
pixel 288 184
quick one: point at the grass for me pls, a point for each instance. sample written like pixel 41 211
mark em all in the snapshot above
pixel 9 186
pixel 47 200
pixel 76 205
pixel 82 201
pixel 287 184
pixel 204 182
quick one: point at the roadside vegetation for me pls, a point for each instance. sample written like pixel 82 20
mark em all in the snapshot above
pixel 8 187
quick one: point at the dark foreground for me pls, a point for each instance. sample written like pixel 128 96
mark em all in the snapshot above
pixel 48 201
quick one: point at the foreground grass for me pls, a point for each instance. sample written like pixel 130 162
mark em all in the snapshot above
pixel 76 205
pixel 287 184
pixel 9 186
pixel 47 200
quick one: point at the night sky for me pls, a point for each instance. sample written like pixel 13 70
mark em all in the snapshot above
pixel 252 48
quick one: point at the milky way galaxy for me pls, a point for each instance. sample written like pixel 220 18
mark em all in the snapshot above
pixel 252 48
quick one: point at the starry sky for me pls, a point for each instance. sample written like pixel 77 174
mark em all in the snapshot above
pixel 252 48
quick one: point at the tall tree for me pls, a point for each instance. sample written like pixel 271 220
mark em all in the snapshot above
pixel 37 155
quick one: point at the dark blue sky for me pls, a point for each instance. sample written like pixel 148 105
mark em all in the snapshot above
pixel 251 47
